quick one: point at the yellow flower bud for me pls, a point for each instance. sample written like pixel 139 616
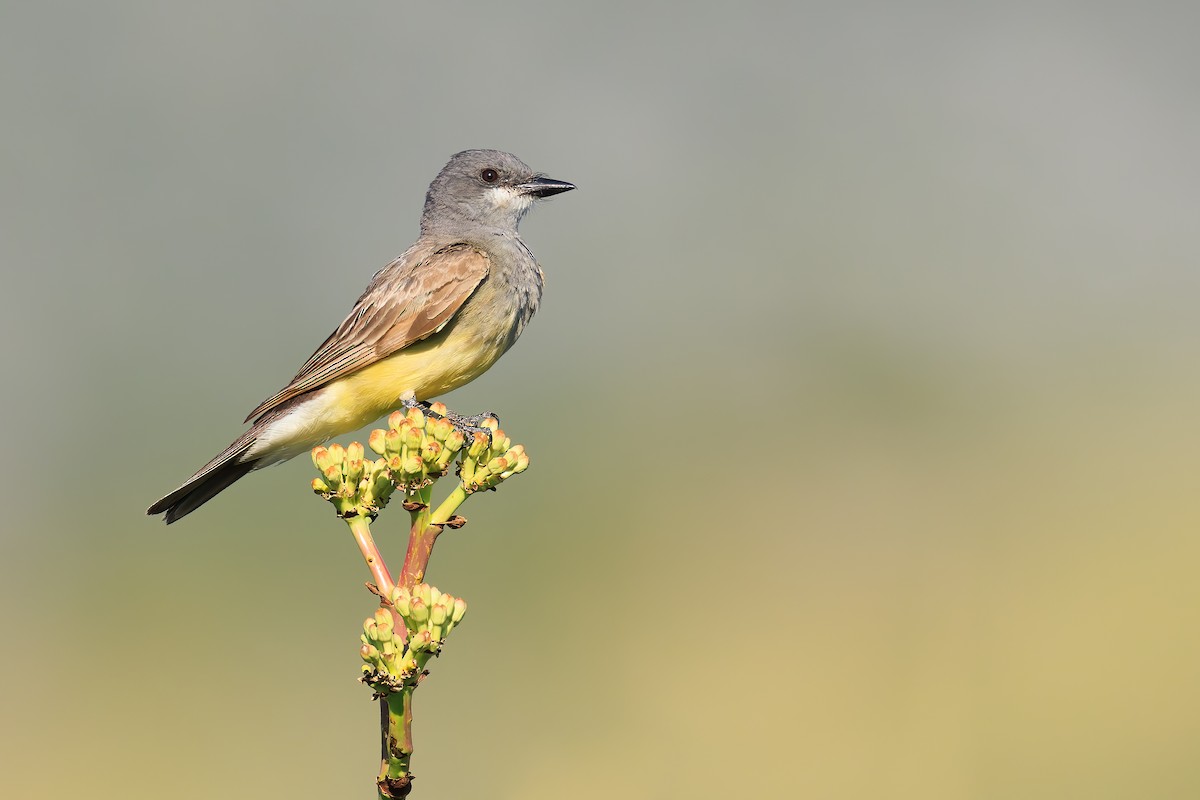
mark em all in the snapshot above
pixel 419 610
pixel 393 441
pixel 430 451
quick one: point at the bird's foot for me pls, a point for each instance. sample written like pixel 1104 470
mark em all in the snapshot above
pixel 469 425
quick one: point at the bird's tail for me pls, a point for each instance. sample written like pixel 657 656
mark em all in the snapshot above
pixel 212 479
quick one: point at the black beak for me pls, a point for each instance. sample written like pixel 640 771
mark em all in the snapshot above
pixel 545 187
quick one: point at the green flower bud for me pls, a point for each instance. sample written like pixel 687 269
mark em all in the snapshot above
pixel 354 471
pixel 438 614
pixel 383 619
pixel 455 440
pixel 439 408
pixel 393 441
pixel 412 438
pixel 421 640
pixel 430 451
pixel 416 417
pixel 333 477
pixel 319 486
pixel 381 486
pixel 418 611
pixel 413 468
pixel 401 600
pixel 479 445
pixel 376 441
pixel 444 458
pixel 460 610
pixel 439 428
pixel 395 419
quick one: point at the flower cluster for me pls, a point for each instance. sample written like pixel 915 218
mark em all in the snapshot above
pixel 393 657
pixel 488 462
pixel 353 484
pixel 418 447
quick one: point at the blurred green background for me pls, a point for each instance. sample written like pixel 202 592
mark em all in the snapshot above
pixel 862 402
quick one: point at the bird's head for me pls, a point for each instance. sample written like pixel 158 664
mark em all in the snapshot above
pixel 486 188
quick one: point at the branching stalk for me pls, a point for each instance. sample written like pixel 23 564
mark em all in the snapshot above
pixel 415 618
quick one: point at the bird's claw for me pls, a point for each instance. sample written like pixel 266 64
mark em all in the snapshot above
pixel 467 425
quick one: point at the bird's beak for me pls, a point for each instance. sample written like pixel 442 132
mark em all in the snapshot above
pixel 545 187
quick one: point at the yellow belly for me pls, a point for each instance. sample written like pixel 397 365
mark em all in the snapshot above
pixel 427 369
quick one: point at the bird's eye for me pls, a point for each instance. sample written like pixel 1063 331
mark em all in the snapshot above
pixel 489 175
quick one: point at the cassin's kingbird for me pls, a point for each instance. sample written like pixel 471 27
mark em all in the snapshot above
pixel 430 321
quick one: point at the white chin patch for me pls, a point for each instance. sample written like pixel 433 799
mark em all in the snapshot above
pixel 510 199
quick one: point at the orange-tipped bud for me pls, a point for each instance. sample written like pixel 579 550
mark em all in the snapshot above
pixel 418 610
pixel 419 641
pixel 412 437
pixel 430 451
pixel 440 428
pixel 479 444
pixel 413 467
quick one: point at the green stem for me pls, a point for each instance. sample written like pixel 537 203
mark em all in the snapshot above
pixel 446 510
pixel 394 778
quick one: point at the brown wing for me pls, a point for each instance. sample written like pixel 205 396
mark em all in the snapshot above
pixel 408 300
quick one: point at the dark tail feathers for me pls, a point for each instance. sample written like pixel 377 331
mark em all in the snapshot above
pixel 216 476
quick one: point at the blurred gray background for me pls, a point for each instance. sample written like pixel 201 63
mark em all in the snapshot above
pixel 862 401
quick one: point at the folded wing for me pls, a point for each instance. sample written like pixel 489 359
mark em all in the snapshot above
pixel 408 300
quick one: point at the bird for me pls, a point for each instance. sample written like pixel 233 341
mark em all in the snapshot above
pixel 432 320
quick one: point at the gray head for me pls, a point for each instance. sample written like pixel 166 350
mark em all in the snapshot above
pixel 485 188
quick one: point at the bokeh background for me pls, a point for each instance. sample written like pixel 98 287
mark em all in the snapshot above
pixel 862 402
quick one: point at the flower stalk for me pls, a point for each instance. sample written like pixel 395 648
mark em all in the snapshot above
pixel 414 618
